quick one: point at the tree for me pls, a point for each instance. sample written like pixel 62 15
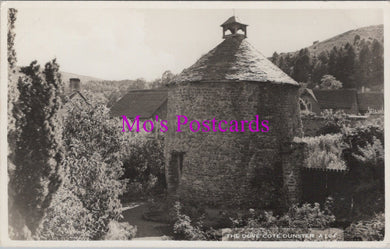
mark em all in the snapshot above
pixel 13 92
pixel 332 62
pixel 347 64
pixel 16 226
pixel 139 83
pixel 38 151
pixel 377 74
pixel 283 64
pixel 166 77
pixel 144 164
pixel 364 66
pixel 319 70
pixel 155 83
pixel 302 66
pixel 93 144
pixel 274 58
pixel 330 82
pixel 356 39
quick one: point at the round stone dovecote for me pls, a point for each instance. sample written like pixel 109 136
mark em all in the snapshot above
pixel 233 81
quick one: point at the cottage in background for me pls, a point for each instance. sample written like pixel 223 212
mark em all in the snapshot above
pixel 147 104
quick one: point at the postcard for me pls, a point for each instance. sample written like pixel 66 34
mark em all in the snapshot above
pixel 182 124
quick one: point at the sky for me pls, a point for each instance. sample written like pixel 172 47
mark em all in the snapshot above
pixel 124 43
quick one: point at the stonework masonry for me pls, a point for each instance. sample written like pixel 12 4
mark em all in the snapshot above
pixel 216 168
pixel 293 157
pixel 233 81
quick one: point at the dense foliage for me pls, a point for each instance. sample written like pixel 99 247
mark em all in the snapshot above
pixel 38 153
pixel 335 122
pixel 87 206
pixel 325 152
pixel 298 219
pixel 13 92
pixel 187 227
pixel 66 218
pixel 355 65
pixel 184 228
pixel 110 91
pixel 364 157
pixel 144 165
pixel 330 82
pixel 120 231
pixel 303 216
pixel 360 147
pixel 92 165
pixel 372 229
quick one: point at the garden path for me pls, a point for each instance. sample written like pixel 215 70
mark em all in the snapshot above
pixel 148 230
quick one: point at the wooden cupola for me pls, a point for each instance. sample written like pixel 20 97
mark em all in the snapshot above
pixel 234 27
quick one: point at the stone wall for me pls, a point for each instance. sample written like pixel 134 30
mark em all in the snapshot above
pixel 218 167
pixel 293 162
pixel 311 124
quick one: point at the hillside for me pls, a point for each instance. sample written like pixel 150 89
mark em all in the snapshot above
pixel 355 58
pixel 83 78
pixel 65 76
pixel 369 33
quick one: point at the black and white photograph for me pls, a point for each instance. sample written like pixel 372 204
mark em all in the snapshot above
pixel 168 122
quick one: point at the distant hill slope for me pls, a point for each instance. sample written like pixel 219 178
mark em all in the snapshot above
pixel 355 58
pixel 369 33
pixel 66 76
pixel 83 78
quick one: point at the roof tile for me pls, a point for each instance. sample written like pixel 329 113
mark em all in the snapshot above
pixel 140 102
pixel 234 59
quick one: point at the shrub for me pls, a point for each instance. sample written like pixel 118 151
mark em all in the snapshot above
pixel 304 216
pixel 183 227
pixel 372 155
pixel 92 164
pixel 334 122
pixel 330 82
pixel 144 166
pixel 307 216
pixel 325 152
pixel 358 137
pixel 367 230
pixel 364 158
pixel 120 231
pixel 298 219
pixel 66 218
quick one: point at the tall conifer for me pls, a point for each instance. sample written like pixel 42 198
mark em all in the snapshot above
pixel 38 152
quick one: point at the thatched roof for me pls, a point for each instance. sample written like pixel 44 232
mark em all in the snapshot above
pixel 140 102
pixel 234 59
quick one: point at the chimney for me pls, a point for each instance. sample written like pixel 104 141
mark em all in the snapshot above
pixel 74 84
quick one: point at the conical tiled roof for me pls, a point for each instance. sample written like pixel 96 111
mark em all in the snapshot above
pixel 234 59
